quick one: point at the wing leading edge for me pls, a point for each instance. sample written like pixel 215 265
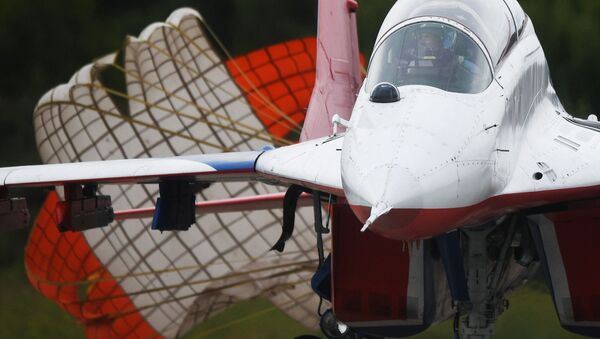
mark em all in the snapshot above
pixel 314 164
pixel 209 167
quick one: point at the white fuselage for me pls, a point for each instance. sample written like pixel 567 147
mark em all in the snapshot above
pixel 438 158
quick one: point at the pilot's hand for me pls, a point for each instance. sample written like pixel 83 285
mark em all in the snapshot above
pixel 468 65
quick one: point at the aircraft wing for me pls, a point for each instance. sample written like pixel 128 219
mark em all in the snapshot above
pixel 558 171
pixel 314 164
pixel 219 167
pixel 557 163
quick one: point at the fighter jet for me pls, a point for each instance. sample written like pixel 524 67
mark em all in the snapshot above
pixel 452 173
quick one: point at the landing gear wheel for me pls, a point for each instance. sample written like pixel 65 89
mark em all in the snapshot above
pixel 332 328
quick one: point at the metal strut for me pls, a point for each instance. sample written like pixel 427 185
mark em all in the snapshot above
pixel 319 229
pixel 478 323
pixel 486 261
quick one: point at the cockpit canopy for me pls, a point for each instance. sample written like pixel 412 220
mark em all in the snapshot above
pixel 430 54
pixel 496 23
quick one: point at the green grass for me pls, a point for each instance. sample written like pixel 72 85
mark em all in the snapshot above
pixel 530 315
pixel 26 314
pixel 252 319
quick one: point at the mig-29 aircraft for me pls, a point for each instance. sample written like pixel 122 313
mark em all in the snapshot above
pixel 450 174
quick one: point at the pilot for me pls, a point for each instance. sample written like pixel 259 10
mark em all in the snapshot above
pixel 430 50
pixel 440 51
pixel 434 56
pixel 429 44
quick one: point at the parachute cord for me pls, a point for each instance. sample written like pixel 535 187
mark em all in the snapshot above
pixel 202 109
pixel 119 278
pixel 206 281
pixel 253 315
pixel 182 64
pixel 294 126
pixel 266 101
pixel 176 113
pixel 207 292
pixel 134 121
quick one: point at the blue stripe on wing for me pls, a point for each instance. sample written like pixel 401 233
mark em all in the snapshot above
pixel 237 161
pixel 231 165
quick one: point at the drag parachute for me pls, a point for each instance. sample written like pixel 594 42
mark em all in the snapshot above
pixel 172 91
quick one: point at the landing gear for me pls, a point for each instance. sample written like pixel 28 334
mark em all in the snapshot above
pixel 481 317
pixel 334 329
pixel 498 257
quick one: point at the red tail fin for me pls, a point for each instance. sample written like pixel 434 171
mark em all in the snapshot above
pixel 338 67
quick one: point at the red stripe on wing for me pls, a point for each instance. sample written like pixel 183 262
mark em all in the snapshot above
pixel 253 203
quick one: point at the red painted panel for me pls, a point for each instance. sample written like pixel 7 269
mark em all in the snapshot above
pixel 415 224
pixel 370 273
pixel 578 234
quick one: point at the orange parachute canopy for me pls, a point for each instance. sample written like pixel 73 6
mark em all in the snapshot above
pixel 278 79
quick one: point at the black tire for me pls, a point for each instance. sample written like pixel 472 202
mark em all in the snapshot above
pixel 329 326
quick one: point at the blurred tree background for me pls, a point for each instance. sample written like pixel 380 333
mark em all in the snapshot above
pixel 44 42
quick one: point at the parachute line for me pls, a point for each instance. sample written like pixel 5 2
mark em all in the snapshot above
pixel 259 96
pixel 204 293
pixel 261 134
pixel 259 93
pixel 254 315
pixel 166 271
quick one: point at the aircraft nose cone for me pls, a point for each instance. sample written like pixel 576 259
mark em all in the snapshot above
pixel 391 199
pixel 390 185
pixel 393 185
